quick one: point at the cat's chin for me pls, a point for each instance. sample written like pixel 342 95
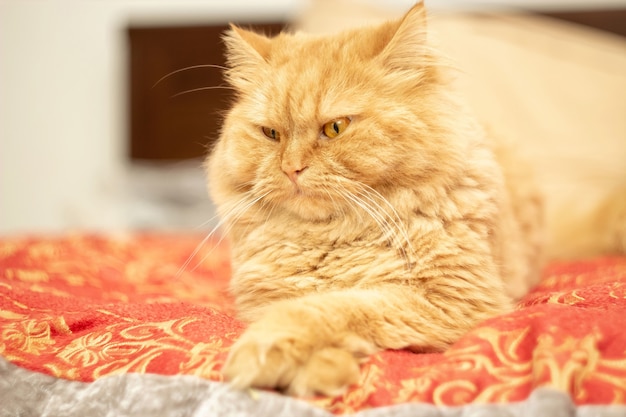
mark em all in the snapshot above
pixel 310 208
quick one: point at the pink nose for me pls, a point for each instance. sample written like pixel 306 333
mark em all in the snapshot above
pixel 293 173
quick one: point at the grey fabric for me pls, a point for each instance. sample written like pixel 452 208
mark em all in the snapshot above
pixel 27 393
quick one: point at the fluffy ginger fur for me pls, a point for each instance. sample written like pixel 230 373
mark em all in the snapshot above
pixel 404 231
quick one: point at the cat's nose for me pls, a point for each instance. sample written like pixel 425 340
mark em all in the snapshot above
pixel 293 172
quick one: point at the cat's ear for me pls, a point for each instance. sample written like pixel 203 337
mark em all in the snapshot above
pixel 245 46
pixel 246 51
pixel 406 47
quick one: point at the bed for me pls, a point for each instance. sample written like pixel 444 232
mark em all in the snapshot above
pixel 110 325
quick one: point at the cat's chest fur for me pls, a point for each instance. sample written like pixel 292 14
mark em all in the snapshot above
pixel 279 259
pixel 284 257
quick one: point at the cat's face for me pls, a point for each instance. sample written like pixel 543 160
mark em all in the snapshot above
pixel 321 122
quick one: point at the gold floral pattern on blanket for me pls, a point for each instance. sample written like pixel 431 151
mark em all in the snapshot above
pixel 83 307
pixel 97 306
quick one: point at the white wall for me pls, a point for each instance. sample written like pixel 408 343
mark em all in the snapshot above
pixel 63 103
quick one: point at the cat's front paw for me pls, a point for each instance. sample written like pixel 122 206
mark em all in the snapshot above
pixel 295 363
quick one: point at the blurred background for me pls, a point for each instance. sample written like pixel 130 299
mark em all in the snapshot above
pixel 91 139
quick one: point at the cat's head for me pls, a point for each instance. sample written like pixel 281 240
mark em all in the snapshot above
pixel 320 120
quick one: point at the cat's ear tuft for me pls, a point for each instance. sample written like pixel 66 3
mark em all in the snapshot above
pixel 406 47
pixel 245 45
pixel 246 51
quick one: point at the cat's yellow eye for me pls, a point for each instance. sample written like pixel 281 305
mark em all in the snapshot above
pixel 271 133
pixel 335 127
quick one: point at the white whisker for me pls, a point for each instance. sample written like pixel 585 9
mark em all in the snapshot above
pixel 200 226
pixel 193 90
pixel 230 217
pixel 397 221
pixel 336 206
pixel 390 225
pixel 193 254
pixel 187 69
pixel 269 214
pixel 241 207
pixel 374 214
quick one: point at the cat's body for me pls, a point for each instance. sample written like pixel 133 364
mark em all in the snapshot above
pixel 403 229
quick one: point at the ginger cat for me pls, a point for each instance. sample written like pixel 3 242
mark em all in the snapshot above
pixel 365 207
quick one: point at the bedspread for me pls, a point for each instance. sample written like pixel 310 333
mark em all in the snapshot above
pixel 94 313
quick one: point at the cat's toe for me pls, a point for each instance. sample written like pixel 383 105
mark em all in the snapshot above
pixel 261 365
pixel 289 364
pixel 329 371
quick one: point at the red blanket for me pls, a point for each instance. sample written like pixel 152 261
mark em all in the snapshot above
pixel 82 307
